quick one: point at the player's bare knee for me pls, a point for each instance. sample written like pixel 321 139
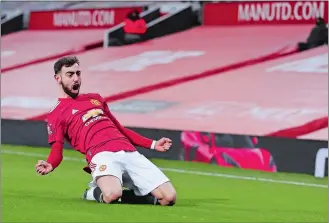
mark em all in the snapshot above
pixel 169 194
pixel 109 197
pixel 166 198
pixel 111 188
pixel 169 198
pixel 166 194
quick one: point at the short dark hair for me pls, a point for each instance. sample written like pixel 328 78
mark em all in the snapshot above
pixel 67 61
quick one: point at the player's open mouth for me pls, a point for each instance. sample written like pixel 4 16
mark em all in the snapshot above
pixel 76 87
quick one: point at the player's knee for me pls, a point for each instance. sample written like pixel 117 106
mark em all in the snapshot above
pixel 166 194
pixel 168 199
pixel 109 197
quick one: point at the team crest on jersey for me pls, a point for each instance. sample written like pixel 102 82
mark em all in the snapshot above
pixel 102 168
pixel 95 102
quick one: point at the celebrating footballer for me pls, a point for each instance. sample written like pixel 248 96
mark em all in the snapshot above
pixel 86 123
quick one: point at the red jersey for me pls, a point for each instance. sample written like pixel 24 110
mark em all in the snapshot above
pixel 89 127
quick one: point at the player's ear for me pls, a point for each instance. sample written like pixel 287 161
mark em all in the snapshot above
pixel 58 78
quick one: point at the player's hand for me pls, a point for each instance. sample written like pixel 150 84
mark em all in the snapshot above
pixel 163 145
pixel 43 168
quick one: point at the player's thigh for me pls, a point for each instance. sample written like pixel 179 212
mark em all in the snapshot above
pixel 110 185
pixel 145 175
pixel 107 171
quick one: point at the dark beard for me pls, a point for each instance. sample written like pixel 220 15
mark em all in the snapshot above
pixel 69 92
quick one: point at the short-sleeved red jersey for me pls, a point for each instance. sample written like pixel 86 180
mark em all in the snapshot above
pixel 87 124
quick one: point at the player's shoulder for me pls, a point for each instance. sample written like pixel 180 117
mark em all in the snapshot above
pixel 56 110
pixel 55 107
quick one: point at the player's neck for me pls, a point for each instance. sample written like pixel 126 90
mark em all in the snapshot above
pixel 63 95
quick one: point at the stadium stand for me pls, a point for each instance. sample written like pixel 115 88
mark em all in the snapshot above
pixel 259 99
pixel 11 21
pixel 59 43
pixel 165 59
pixel 39 46
pixel 156 66
pixel 113 4
pixel 27 6
pixel 163 20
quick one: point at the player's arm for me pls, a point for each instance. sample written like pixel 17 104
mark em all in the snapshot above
pixel 133 136
pixel 56 155
pixel 136 139
pixel 56 140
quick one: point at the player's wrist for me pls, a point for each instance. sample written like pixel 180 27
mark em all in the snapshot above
pixel 153 144
pixel 51 165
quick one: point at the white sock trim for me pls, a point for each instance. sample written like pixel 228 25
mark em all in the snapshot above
pixel 90 194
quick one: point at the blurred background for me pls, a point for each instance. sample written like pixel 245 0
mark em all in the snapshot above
pixel 234 83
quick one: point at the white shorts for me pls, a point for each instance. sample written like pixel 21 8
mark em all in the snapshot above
pixel 133 170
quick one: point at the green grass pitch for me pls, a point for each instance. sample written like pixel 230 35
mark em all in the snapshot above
pixel 28 197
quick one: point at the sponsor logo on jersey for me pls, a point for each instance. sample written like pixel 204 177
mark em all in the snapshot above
pixel 102 168
pixel 95 102
pixel 93 115
pixel 74 111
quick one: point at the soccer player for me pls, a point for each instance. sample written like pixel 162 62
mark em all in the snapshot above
pixel 86 122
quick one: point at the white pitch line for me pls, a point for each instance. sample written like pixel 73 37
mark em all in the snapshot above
pixel 186 171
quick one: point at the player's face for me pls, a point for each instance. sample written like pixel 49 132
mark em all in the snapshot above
pixel 70 80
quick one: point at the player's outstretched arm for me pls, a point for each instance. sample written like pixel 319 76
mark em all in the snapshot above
pixel 161 145
pixel 136 139
pixel 55 128
pixel 54 159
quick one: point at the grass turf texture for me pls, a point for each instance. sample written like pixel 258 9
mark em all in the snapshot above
pixel 28 197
